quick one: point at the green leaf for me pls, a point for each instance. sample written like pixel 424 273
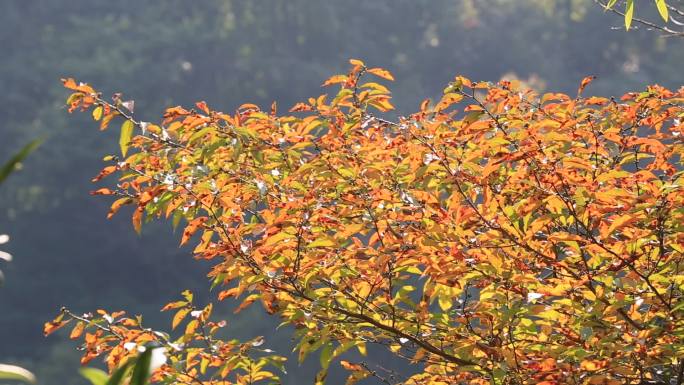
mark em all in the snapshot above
pixel 10 166
pixel 141 372
pixel 610 4
pixel 326 356
pixel 662 9
pixel 95 376
pixel 126 134
pixel 11 372
pixel 629 14
pixel 118 375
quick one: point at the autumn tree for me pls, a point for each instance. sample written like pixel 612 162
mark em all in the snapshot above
pixel 496 236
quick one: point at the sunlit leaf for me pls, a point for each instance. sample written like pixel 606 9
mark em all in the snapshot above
pixel 629 13
pixel 125 137
pixel 16 373
pixel 95 376
pixel 662 9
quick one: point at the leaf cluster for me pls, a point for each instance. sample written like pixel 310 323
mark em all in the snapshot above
pixel 496 236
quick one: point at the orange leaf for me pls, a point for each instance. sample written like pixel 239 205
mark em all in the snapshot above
pixel 192 228
pixel 248 301
pixel 52 326
pixel 356 63
pixel 70 83
pixel 595 100
pixel 105 171
pixel 335 80
pixel 174 305
pixel 548 365
pixel 117 205
pixel 448 100
pixel 77 330
pixel 180 315
pixel 584 84
pixel 232 292
pixel 137 220
pixel 104 123
pixel 473 107
pixel 464 81
pixel 301 107
pixel 102 191
pixel 617 223
pixel 382 104
pixel 351 366
pixel 383 73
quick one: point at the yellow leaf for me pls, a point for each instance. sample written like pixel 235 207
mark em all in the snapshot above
pixel 174 305
pixel 662 9
pixel 629 14
pixel 322 243
pixel 97 113
pixel 191 327
pixel 447 100
pixel 356 62
pixel 126 134
pixel 178 318
pixel 444 302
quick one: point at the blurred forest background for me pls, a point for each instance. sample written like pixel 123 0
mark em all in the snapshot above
pixel 228 52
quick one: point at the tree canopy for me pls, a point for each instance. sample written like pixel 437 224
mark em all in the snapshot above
pixel 494 236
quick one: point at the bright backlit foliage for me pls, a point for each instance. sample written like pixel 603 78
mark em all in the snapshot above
pixel 496 236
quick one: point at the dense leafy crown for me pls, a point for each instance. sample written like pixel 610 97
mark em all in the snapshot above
pixel 495 237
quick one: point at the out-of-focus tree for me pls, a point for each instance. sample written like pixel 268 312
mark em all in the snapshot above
pixel 13 372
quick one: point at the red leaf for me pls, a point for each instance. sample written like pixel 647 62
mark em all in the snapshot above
pixel 203 106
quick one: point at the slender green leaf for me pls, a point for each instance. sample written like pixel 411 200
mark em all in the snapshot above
pixel 126 134
pixel 8 167
pixel 95 376
pixel 12 372
pixel 326 356
pixel 610 4
pixel 141 372
pixel 118 375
